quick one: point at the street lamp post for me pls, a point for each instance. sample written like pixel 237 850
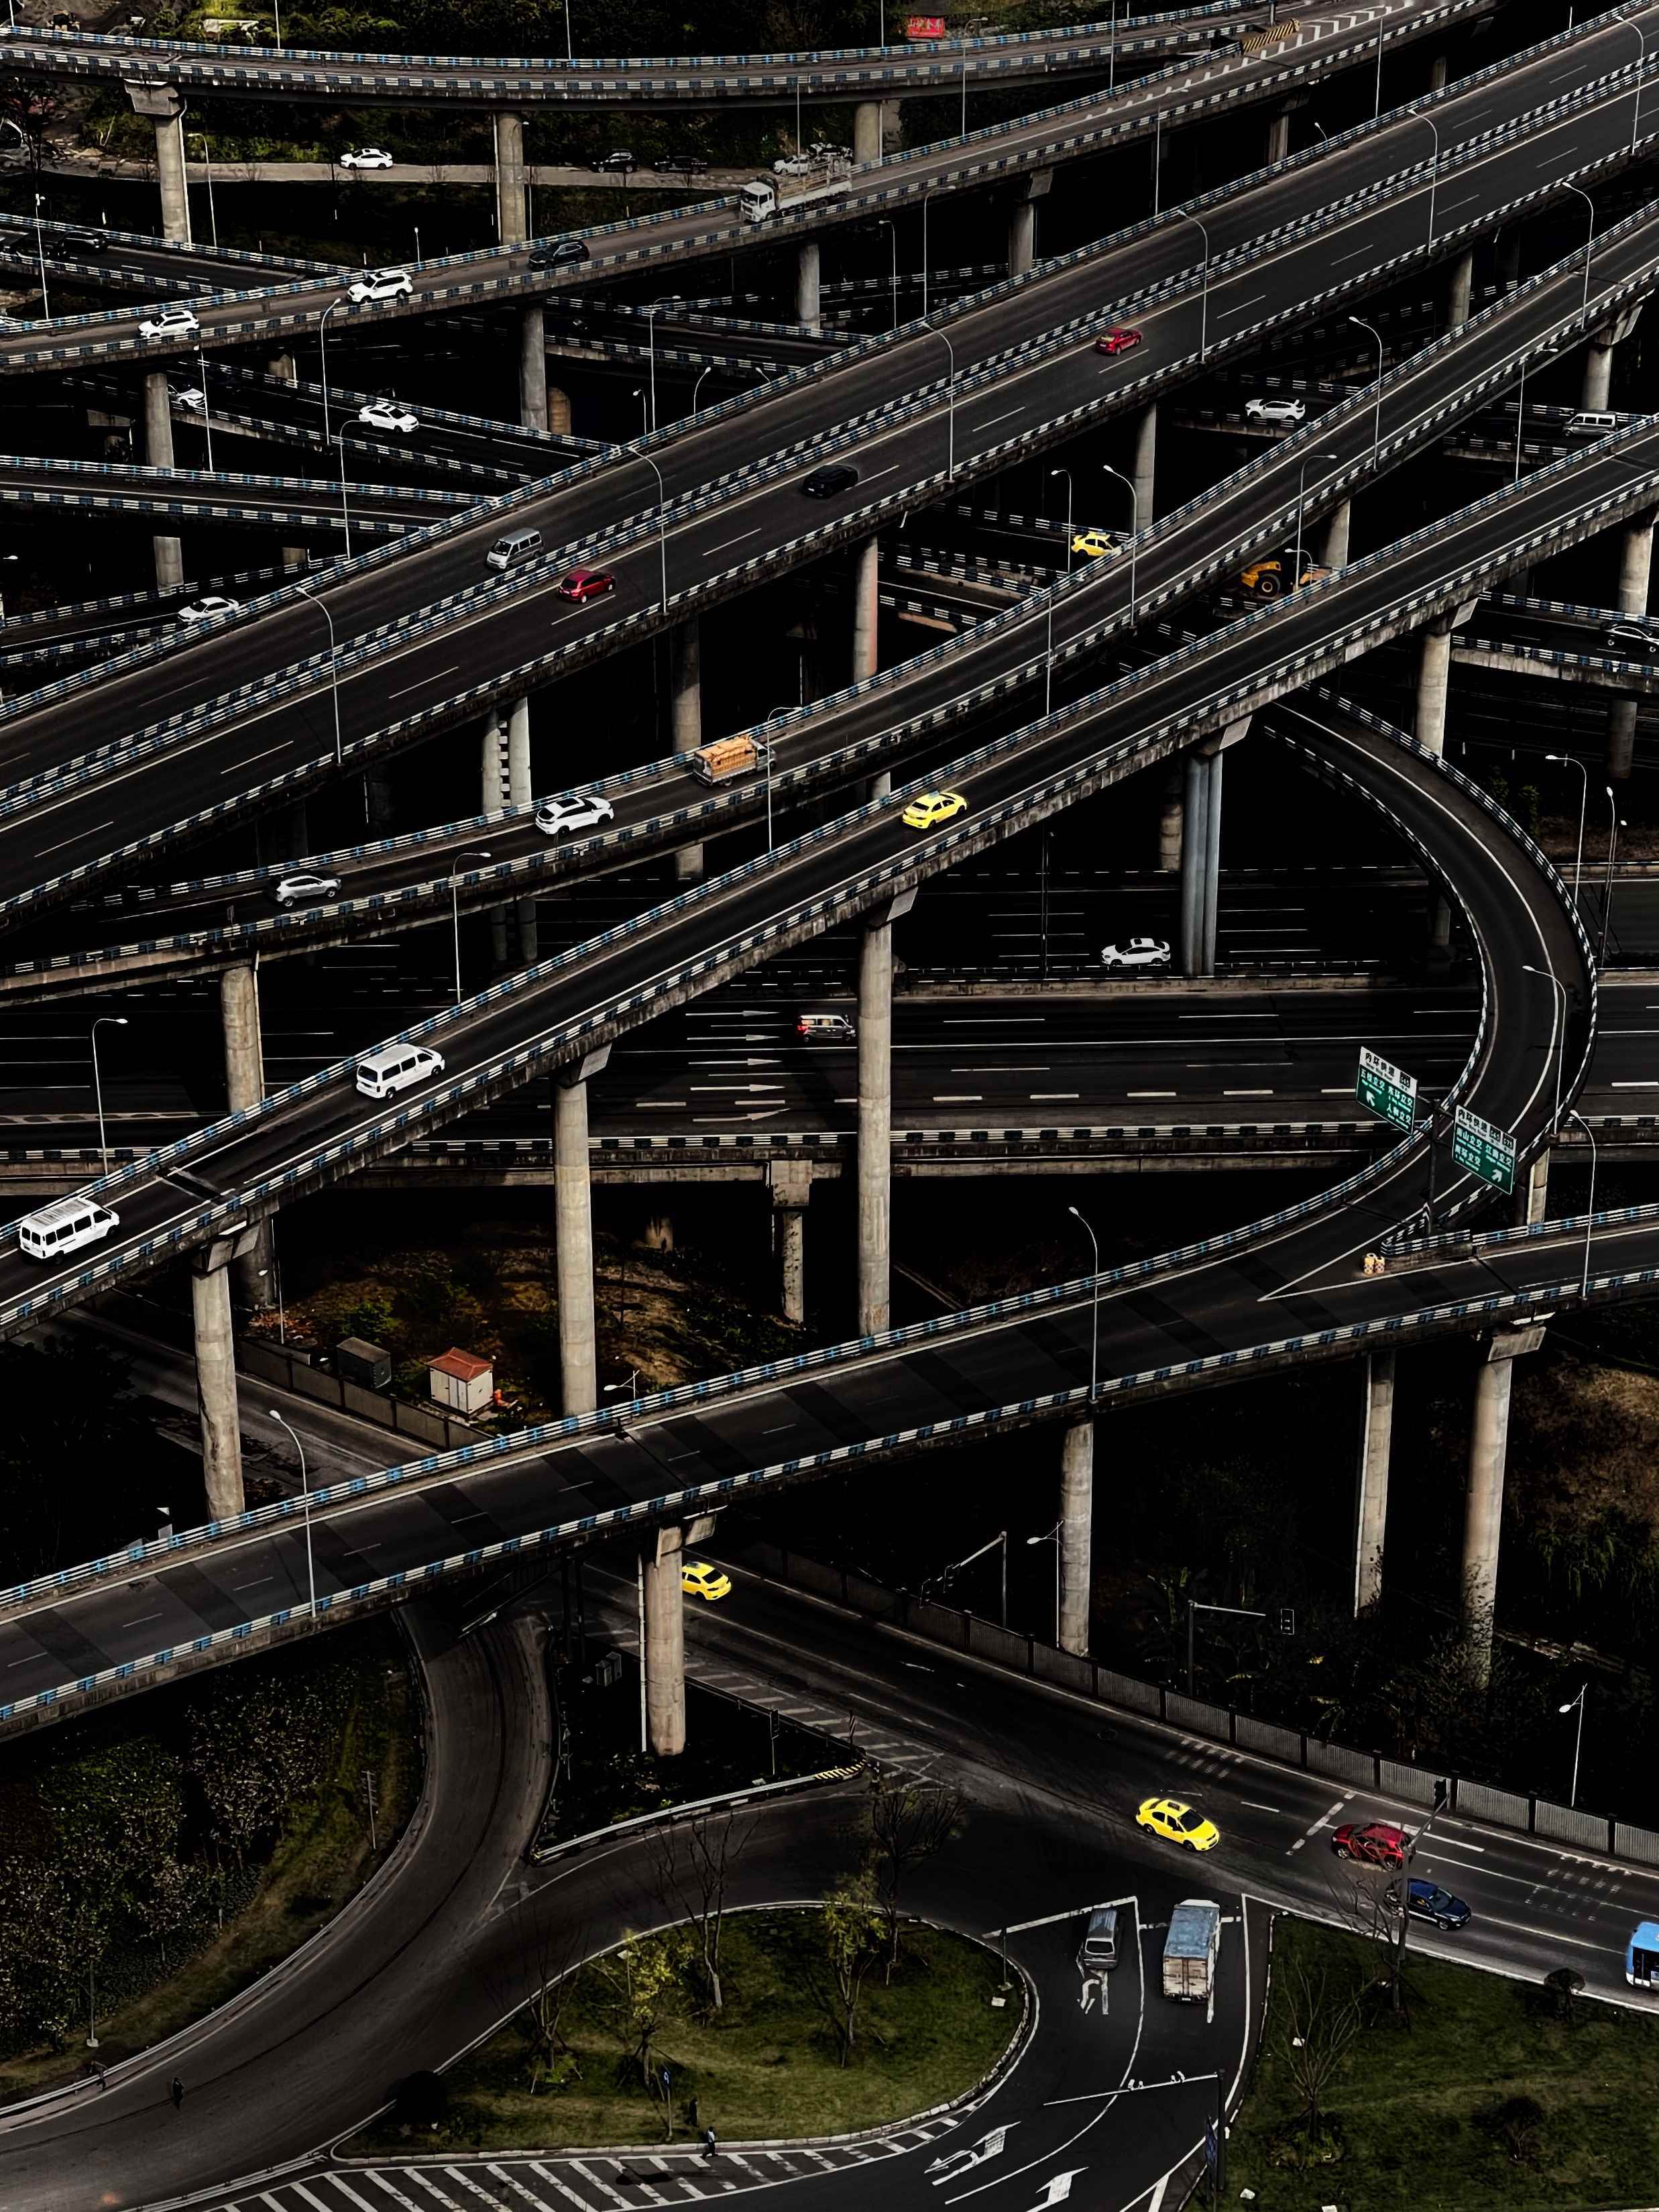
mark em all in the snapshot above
pixel 40 255
pixel 1573 1115
pixel 1094 1314
pixel 1615 823
pixel 322 347
pixel 1204 298
pixel 476 853
pixel 951 395
pixel 662 523
pixel 1434 173
pixel 115 1021
pixel 1377 420
pixel 1544 353
pixel 321 606
pixel 1301 501
pixel 305 1491
pixel 1053 1537
pixel 1135 527
pixel 885 223
pixel 1557 1035
pixel 1568 759
pixel 1578 1732
pixel 207 411
pixel 925 198
pixel 1589 241
pixel 338 443
pixel 1641 70
pixel 1048 678
pixel 698 386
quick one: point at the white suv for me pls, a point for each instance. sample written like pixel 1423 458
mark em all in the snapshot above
pixel 175 320
pixel 1285 414
pixel 582 810
pixel 380 284
pixel 1135 952
pixel 388 415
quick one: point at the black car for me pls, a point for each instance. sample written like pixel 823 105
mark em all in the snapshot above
pixel 1426 1900
pixel 681 165
pixel 84 242
pixel 560 254
pixel 622 162
pixel 825 482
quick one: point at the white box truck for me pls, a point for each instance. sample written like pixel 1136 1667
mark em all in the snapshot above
pixel 1190 1949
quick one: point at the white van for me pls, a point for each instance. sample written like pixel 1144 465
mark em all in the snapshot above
pixel 64 1226
pixel 1592 423
pixel 395 1066
pixel 515 545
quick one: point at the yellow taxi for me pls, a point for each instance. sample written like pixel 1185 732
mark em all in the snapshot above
pixel 1096 544
pixel 702 1578
pixel 933 807
pixel 1178 1822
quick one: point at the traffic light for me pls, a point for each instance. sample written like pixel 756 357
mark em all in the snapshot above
pixel 1285 1618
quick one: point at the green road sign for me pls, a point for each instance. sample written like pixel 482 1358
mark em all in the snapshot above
pixel 1386 1089
pixel 1484 1150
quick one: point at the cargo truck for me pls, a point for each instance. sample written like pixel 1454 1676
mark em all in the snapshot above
pixel 726 757
pixel 1190 1949
pixel 767 197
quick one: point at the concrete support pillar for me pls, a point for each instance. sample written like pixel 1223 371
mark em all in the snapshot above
pixel 532 370
pixel 875 1140
pixel 512 193
pixel 1531 1191
pixel 558 409
pixel 1621 738
pixel 791 1185
pixel 866 609
pixel 1144 469
pixel 1437 65
pixel 520 793
pixel 158 452
pixel 664 1657
pixel 579 1374
pixel 1195 799
pixel 377 785
pixel 1598 374
pixel 1334 551
pixel 1636 567
pixel 866 130
pixel 1169 822
pixel 1483 1510
pixel 1077 1499
pixel 686 687
pixel 285 369
pixel 892 125
pixel 1460 290
pixel 1022 236
pixel 495 791
pixel 1212 861
pixel 1371 1506
pixel 1433 682
pixel 1279 136
pixel 245 1085
pixel 1508 257
pixel 216 1390
pixel 808 268
pixel 170 175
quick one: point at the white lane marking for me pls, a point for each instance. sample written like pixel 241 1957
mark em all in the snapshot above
pixel 59 848
pixel 236 767
pixel 1519 1928
pixel 1256 1808
pixel 436 676
pixel 741 540
pixel 1323 1821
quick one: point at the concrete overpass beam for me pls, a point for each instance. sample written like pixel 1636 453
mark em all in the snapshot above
pixel 573 1202
pixel 1621 738
pixel 245 1086
pixel 1144 468
pixel 1334 551
pixel 1433 682
pixel 1371 1504
pixel 532 370
pixel 790 1182
pixel 520 793
pixel 158 453
pixel 164 106
pixel 663 1655
pixel 1460 290
pixel 216 1384
pixel 809 268
pixel 512 180
pixel 1077 1497
pixel 875 1142
pixel 685 686
pixel 866 130
pixel 1483 1512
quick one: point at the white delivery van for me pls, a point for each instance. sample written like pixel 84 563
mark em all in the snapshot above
pixel 64 1226
pixel 393 1067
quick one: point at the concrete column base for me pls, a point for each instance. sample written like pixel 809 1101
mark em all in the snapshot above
pixel 512 180
pixel 1598 376
pixel 573 1201
pixel 532 370
pixel 1334 551
pixel 875 1138
pixel 1433 683
pixel 790 1182
pixel 1022 237
pixel 663 1655
pixel 1372 1505
pixel 1169 822
pixel 158 453
pixel 216 1391
pixel 1076 1490
pixel 1144 468
pixel 1460 290
pixel 1636 567
pixel 521 793
pixel 1621 738
pixel 1483 1515
pixel 866 130
pixel 245 1088
pixel 809 265
pixel 685 688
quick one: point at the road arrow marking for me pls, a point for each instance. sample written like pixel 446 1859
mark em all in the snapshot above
pixel 1057 2190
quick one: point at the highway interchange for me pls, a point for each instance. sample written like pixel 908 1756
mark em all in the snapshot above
pixel 1028 714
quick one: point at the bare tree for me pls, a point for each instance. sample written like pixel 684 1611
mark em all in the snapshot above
pixel 641 1976
pixel 1321 2021
pixel 536 1986
pixel 693 1864
pixel 909 1822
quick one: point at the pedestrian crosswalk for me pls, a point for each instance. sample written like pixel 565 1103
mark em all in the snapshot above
pixel 581 2182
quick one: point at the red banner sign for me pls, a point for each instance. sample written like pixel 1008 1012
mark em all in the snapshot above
pixel 924 26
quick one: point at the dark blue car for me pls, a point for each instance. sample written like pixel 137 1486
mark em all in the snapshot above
pixel 1428 1901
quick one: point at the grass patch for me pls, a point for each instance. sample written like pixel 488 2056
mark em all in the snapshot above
pixel 766 2065
pixel 1484 2101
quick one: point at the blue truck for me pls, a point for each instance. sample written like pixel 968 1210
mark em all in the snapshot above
pixel 1642 1959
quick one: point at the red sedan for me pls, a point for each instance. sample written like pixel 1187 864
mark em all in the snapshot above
pixel 1117 341
pixel 585 584
pixel 1374 1841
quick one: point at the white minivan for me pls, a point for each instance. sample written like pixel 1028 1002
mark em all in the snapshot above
pixel 395 1067
pixel 63 1227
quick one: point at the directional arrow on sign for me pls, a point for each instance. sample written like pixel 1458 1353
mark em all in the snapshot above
pixel 1056 2192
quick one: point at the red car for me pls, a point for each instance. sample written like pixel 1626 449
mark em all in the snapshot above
pixel 585 584
pixel 1117 341
pixel 1374 1841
